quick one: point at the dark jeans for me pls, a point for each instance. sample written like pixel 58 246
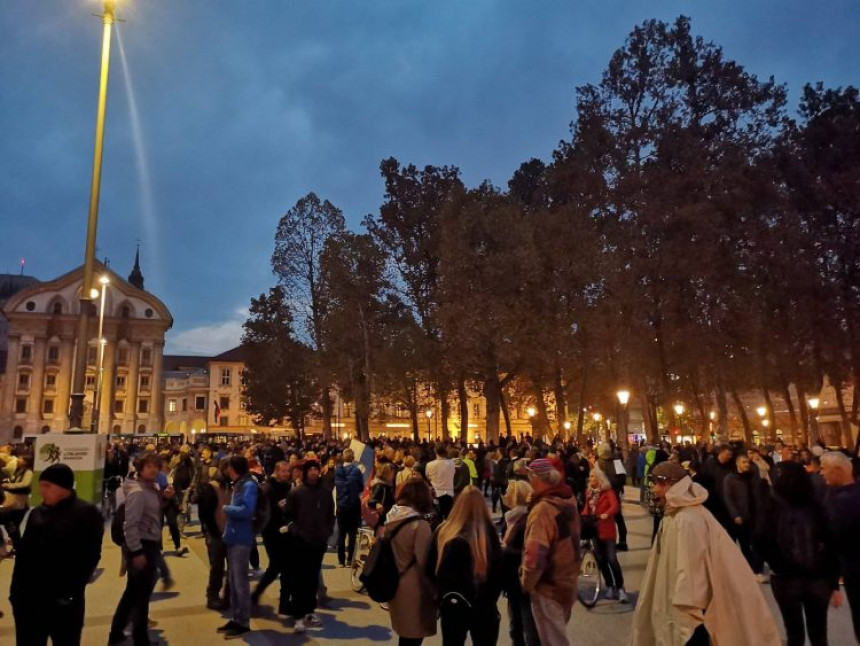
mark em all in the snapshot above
pixel 276 551
pixel 134 604
pixel 521 622
pixel 171 517
pixel 409 641
pixel 700 637
pixel 798 596
pixel 303 582
pixel 852 591
pixel 619 519
pixel 445 504
pixel 217 552
pixel 607 559
pixel 743 535
pixel 36 620
pixel 348 521
pixel 459 620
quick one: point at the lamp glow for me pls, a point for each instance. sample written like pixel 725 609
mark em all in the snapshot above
pixel 623 397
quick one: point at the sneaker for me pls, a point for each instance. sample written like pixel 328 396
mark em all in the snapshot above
pixel 312 621
pixel 610 594
pixel 167 584
pixel 230 625
pixel 182 551
pixel 300 626
pixel 761 578
pixel 384 606
pixel 622 596
pixel 236 632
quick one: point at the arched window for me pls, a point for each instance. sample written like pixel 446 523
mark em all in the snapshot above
pixel 18 432
pixel 57 308
pixel 125 312
pixel 141 428
pixel 116 429
pixel 46 429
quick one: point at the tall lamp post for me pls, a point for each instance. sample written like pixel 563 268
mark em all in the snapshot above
pixel 679 411
pixel 76 410
pixel 814 403
pixel 623 399
pixel 429 414
pixel 104 281
pixel 761 411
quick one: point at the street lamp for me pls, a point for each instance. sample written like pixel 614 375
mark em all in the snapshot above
pixel 76 410
pixel 623 398
pixel 429 414
pixel 530 411
pixel 679 409
pixel 104 281
pixel 761 411
pixel 814 403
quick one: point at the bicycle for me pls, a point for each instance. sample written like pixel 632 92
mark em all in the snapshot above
pixel 364 541
pixel 589 586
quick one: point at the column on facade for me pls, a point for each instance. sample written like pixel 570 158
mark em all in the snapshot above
pixel 64 380
pixel 37 383
pixel 132 382
pixel 10 383
pixel 156 400
pixel 108 389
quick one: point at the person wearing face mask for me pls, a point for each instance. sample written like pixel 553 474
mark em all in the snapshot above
pixel 310 521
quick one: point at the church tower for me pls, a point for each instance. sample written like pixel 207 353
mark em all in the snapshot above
pixel 136 276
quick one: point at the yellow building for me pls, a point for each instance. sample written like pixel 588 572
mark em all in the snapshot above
pixel 40 323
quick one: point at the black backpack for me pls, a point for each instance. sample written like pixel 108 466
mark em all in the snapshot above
pixel 117 526
pixel 799 541
pixel 263 512
pixel 380 575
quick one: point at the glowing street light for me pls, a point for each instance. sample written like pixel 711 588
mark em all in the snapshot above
pixel 567 426
pixel 761 411
pixel 531 411
pixel 814 402
pixel 429 414
pixel 712 415
pixel 597 417
pixel 679 409
pixel 623 397
pixel 104 281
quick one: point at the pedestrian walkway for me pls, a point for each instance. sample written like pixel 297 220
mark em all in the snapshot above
pixel 351 618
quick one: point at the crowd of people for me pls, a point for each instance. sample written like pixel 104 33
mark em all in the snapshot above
pixel 724 516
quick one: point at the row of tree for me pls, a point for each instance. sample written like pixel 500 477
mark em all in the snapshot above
pixel 690 241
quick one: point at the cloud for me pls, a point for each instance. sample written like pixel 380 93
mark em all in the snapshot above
pixel 208 340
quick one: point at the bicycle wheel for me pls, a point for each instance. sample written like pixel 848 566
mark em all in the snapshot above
pixel 589 579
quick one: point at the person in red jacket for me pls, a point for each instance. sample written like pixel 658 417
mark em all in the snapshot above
pixel 601 503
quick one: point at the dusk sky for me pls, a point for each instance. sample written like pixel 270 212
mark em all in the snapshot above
pixel 244 106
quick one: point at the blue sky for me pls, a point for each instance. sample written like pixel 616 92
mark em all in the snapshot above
pixel 245 106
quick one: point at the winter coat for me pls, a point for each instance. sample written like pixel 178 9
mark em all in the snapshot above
pixel 58 552
pixel 413 608
pixel 381 493
pixel 349 483
pixel 212 497
pixel 697 575
pixel 551 553
pixel 843 511
pixel 512 551
pixel 462 478
pixel 742 494
pixel 239 529
pixel 454 576
pixel 17 490
pixel 275 492
pixel 310 512
pixel 607 504
pixel 143 514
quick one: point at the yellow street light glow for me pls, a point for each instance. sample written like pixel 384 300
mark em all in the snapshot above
pixel 761 410
pixel 94 293
pixel 530 411
pixel 814 403
pixel 623 397
pixel 765 423
pixel 429 413
pixel 104 280
pixel 597 417
pixel 713 415
pixel 679 409
pixel 567 426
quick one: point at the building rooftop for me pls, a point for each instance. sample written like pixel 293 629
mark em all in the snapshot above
pixel 184 363
pixel 235 354
pixel 11 284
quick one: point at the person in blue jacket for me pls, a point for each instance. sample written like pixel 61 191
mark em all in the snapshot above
pixel 239 539
pixel 349 483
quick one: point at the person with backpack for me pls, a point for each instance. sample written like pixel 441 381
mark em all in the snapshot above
pixel 183 473
pixel 57 553
pixel 412 608
pixel 275 491
pixel 381 498
pixel 239 538
pixel 521 621
pixel 349 484
pixel 796 540
pixel 462 476
pixel 141 516
pixel 212 497
pixel 310 521
pixel 464 563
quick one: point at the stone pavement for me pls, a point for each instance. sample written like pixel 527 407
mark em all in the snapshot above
pixel 352 618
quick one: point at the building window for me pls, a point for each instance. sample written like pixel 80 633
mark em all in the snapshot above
pixel 116 429
pixel 48 407
pixel 224 403
pixel 122 357
pixel 23 380
pixel 91 356
pixel 21 405
pixel 120 382
pixel 476 410
pixel 184 404
pixel 200 403
pixel 118 406
pixel 125 312
pixel 46 430
pixel 51 380
pixel 91 381
pixel 146 357
pixel 224 421
pixel 141 428
pixel 26 353
pixel 57 308
pixel 18 432
pixel 225 376
pixel 54 354
pixel 143 406
pixel 144 382
pixel 171 406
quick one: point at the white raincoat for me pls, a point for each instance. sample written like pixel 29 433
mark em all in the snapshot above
pixel 696 574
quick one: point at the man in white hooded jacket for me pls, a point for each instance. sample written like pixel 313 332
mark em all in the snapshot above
pixel 698 588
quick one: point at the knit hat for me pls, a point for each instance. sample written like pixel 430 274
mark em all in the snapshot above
pixel 540 467
pixel 60 475
pixel 669 471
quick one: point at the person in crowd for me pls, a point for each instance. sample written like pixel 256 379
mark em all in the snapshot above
pixel 607 459
pixel 697 586
pixel 796 541
pixel 277 490
pixel 761 464
pixel 183 475
pixel 141 551
pixel 16 497
pixel 743 493
pixel 601 504
pixel 56 557
pixel 327 477
pixel 440 474
pixel 310 521
pixel 212 496
pixel 462 477
pixel 349 484
pixel 405 474
pixel 551 552
pixel 716 469
pixel 239 539
pixel 464 564
pixel 470 462
pixel 500 477
pixel 843 511
pixel 521 622
pixel 170 510
pixel 413 608
pixel 382 492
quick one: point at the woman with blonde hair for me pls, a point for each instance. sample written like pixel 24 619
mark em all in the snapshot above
pixel 521 622
pixel 465 562
pixel 406 474
pixel 601 507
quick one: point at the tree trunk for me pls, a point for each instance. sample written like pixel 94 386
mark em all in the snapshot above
pixel 492 395
pixel 463 401
pixel 560 401
pixel 792 413
pixel 580 414
pixel 745 420
pixel 503 402
pixel 540 425
pixel 804 416
pixel 843 414
pixel 723 412
pixel 327 409
pixel 445 408
pixel 416 430
pixel 771 414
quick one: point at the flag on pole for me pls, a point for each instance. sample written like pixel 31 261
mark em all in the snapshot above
pixel 217 412
pixel 364 457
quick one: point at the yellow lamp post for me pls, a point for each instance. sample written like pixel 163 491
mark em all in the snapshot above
pixel 814 403
pixel 623 399
pixel 76 410
pixel 429 414
pixel 104 281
